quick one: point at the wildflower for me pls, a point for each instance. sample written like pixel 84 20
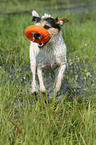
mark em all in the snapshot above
pixel 74 90
pixel 10 76
pixel 88 74
pixel 24 78
pixel 84 78
pixel 70 62
pixel 78 59
pixel 78 91
pixel 21 79
pixel 85 44
pixel 76 77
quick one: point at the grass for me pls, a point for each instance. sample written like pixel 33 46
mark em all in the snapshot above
pixel 67 121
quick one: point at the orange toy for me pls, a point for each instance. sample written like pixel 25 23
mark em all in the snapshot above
pixel 30 30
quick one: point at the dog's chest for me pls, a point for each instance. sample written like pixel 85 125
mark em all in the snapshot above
pixel 46 57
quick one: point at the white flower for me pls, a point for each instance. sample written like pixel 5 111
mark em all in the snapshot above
pixel 70 62
pixel 76 77
pixel 85 44
pixel 88 74
pixel 84 78
pixel 24 78
pixel 74 90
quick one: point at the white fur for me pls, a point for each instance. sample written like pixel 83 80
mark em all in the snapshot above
pixel 46 16
pixel 52 54
pixel 34 13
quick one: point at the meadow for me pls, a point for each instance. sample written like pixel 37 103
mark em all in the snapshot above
pixel 26 119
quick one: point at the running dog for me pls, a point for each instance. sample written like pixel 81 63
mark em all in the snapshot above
pixel 51 53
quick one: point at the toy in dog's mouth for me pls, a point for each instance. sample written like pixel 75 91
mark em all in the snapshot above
pixel 37 34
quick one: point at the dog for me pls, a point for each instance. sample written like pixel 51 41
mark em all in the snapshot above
pixel 51 53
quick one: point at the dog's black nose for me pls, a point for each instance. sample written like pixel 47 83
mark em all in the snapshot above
pixel 37 36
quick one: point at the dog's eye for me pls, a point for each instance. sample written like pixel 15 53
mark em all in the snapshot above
pixel 46 27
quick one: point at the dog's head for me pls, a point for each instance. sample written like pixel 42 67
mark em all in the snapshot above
pixel 52 25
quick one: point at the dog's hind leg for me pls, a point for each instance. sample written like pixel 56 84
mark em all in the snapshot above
pixel 60 77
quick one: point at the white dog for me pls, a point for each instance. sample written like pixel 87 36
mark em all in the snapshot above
pixel 51 53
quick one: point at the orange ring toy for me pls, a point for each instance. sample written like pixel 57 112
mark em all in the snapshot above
pixel 30 30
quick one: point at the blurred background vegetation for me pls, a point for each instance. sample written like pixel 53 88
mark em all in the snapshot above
pixel 58 6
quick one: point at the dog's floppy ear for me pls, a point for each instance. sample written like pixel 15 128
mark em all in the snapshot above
pixel 36 17
pixel 61 20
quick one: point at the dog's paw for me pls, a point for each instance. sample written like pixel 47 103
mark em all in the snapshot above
pixel 57 87
pixel 34 89
pixel 42 89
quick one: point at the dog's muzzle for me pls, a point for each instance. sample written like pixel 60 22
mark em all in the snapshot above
pixel 37 36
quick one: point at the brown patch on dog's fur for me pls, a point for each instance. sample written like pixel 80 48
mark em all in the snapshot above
pixel 61 20
pixel 53 31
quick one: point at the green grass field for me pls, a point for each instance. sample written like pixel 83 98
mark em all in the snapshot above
pixel 67 121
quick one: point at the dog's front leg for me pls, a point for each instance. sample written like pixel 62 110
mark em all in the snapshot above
pixel 60 77
pixel 33 69
pixel 40 76
pixel 34 86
